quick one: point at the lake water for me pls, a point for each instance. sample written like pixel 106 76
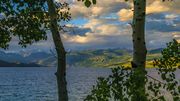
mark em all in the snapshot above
pixel 39 84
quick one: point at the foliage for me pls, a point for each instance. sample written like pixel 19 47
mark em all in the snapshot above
pixel 88 3
pixel 126 84
pixel 167 65
pixel 28 20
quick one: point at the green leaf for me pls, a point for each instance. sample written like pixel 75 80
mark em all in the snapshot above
pixel 87 3
pixel 94 1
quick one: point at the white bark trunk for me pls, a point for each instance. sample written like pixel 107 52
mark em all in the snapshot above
pixel 140 51
pixel 139 46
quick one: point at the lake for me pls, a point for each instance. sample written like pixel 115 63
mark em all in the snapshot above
pixel 39 84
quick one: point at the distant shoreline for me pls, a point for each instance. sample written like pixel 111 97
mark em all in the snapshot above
pixel 7 64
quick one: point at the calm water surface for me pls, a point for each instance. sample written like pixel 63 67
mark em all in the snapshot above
pixel 39 84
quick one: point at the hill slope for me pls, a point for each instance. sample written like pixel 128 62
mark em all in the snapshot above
pixel 88 58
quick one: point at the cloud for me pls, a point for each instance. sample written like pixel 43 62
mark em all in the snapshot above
pixel 163 22
pixel 76 30
pixel 162 25
pixel 155 39
pixel 102 35
pixel 156 7
pixel 107 34
pixel 171 16
pixel 99 26
pixel 79 39
pixel 153 6
pixel 93 23
pixel 102 7
pixel 125 14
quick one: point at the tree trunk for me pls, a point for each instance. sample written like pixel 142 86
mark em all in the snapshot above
pixel 61 54
pixel 139 46
pixel 138 25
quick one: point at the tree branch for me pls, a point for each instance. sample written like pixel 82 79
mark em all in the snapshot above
pixel 155 79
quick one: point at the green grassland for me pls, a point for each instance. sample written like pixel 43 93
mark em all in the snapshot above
pixel 108 58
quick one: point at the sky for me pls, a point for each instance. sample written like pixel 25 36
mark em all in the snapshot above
pixel 106 25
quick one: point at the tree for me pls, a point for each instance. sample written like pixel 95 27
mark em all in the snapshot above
pixel 29 20
pixel 124 83
pixel 138 27
pixel 167 65
pixel 139 47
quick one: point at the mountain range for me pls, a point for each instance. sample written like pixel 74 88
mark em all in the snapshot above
pixel 7 64
pixel 86 58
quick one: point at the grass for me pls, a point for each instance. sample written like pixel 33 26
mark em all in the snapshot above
pixel 108 58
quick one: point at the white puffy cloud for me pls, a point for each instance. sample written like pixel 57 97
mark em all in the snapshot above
pixel 156 7
pixel 102 7
pixel 103 35
pixel 122 8
pixel 171 16
pixel 93 23
pixel 153 6
pixel 125 14
pixel 109 32
pixel 79 39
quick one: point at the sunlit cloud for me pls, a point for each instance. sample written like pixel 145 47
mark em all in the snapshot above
pixel 153 6
pixel 105 25
pixel 171 16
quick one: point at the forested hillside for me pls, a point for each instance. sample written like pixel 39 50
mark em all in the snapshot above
pixel 87 58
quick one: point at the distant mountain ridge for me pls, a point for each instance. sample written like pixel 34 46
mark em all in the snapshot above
pixel 7 64
pixel 18 57
pixel 86 58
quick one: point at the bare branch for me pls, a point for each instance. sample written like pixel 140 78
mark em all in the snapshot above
pixel 53 53
pixel 155 79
